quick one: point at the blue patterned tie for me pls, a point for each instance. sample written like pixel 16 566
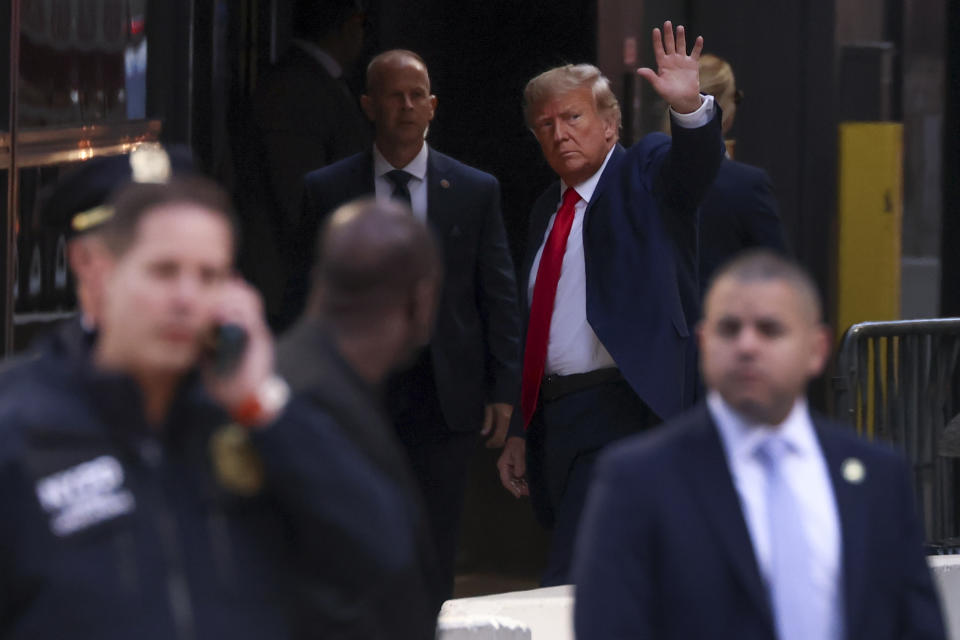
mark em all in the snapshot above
pixel 800 611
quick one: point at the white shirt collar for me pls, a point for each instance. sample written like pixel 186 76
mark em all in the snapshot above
pixel 741 437
pixel 314 51
pixel 586 188
pixel 417 167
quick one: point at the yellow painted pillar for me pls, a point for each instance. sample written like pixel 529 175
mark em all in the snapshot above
pixel 869 236
pixel 869 220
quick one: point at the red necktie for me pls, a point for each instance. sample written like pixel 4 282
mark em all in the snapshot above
pixel 541 311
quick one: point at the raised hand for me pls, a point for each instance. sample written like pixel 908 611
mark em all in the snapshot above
pixel 677 78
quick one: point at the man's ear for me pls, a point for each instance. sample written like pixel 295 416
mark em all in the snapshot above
pixel 424 298
pixel 366 103
pixel 89 256
pixel 610 129
pixel 820 349
pixel 317 298
pixel 78 256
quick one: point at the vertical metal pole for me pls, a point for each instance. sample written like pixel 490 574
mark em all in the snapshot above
pixel 191 44
pixel 8 236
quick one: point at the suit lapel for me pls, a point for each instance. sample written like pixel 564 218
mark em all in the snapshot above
pixel 713 486
pixel 604 182
pixel 852 518
pixel 440 187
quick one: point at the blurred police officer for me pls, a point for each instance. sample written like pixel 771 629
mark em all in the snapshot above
pixel 77 206
pixel 154 490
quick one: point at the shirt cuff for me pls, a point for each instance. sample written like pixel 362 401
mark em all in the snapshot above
pixel 698 118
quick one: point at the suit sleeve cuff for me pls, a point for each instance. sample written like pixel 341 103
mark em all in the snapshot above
pixel 698 118
pixel 517 428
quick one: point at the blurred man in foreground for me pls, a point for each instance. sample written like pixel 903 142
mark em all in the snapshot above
pixel 371 308
pixel 164 487
pixel 749 517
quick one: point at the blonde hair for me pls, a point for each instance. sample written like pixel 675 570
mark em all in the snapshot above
pixel 716 79
pixel 567 78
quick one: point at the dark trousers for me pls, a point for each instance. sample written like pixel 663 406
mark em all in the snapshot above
pixel 564 439
pixel 438 457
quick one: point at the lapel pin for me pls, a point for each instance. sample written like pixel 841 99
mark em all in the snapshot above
pixel 445 183
pixel 853 471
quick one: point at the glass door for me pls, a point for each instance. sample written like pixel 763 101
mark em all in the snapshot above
pixel 77 77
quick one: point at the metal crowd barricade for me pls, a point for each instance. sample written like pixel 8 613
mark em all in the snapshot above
pixel 900 382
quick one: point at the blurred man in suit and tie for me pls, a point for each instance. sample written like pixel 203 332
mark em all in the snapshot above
pixel 305 113
pixel 749 517
pixel 303 116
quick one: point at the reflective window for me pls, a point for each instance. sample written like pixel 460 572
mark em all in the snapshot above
pixel 43 283
pixel 82 62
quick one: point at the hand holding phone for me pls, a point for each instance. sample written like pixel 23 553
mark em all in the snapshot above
pixel 241 358
pixel 228 343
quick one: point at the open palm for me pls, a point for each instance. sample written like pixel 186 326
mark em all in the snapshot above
pixel 677 78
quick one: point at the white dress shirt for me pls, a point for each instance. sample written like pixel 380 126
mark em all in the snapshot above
pixel 417 185
pixel 807 475
pixel 573 346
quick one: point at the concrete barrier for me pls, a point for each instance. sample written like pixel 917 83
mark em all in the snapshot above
pixel 946 575
pixel 481 628
pixel 547 614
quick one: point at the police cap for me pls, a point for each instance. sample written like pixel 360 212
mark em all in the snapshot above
pixel 77 202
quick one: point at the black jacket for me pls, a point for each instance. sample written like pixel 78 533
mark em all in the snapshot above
pixel 196 530
pixel 320 377
pixel 738 213
pixel 663 527
pixel 68 341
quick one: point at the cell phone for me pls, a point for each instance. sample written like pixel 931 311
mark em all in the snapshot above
pixel 228 342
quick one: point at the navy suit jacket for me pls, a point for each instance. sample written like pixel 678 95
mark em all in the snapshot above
pixel 475 347
pixel 640 250
pixel 739 212
pixel 664 550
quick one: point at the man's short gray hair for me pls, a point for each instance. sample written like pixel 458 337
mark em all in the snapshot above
pixel 566 78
